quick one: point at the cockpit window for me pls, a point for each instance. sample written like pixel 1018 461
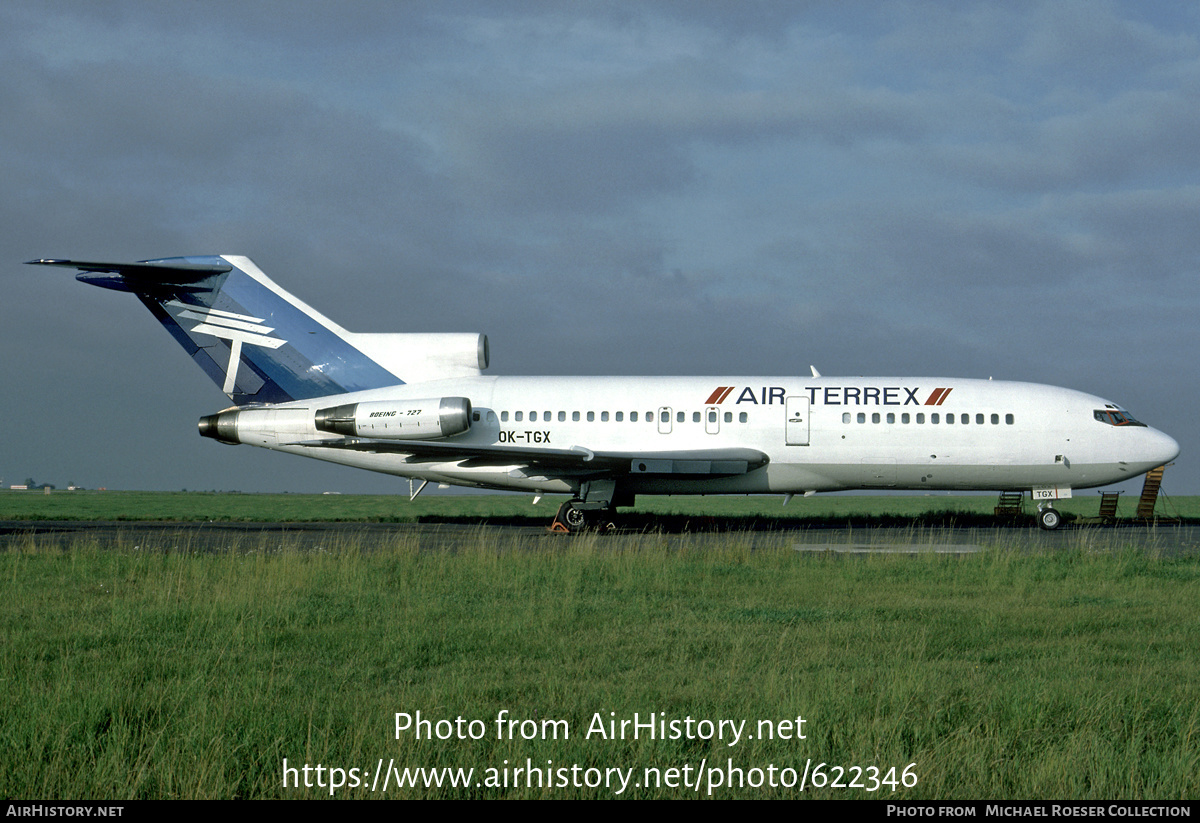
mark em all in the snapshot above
pixel 1116 417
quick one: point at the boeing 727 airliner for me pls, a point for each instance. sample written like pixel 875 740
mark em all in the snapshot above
pixel 417 406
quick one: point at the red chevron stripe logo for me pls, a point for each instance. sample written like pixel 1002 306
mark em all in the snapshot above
pixel 718 396
pixel 938 397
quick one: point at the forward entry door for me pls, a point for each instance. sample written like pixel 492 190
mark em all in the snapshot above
pixel 796 427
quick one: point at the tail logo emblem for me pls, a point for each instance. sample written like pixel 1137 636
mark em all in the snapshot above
pixel 238 329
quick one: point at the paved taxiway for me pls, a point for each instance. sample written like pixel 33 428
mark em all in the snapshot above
pixel 224 536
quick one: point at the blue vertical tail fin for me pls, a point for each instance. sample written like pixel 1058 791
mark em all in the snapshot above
pixel 261 344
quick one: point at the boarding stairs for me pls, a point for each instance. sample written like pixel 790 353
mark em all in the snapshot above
pixel 1146 503
pixel 1009 504
pixel 1108 507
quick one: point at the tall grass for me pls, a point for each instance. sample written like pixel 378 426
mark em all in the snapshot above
pixel 147 672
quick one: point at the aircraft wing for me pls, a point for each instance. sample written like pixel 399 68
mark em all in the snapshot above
pixel 573 460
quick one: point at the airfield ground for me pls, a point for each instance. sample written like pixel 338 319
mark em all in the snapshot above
pixel 139 663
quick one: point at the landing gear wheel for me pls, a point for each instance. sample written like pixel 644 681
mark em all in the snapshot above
pixel 569 519
pixel 1049 519
pixel 575 518
pixel 577 515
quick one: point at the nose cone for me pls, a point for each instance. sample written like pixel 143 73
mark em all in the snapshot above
pixel 1159 448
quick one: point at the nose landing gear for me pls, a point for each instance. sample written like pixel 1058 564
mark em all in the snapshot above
pixel 1048 518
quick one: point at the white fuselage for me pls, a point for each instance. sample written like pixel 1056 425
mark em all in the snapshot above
pixel 608 439
pixel 819 433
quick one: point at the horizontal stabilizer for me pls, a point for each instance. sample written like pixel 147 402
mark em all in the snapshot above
pixel 151 271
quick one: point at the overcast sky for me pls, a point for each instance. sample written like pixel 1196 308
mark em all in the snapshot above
pixel 914 188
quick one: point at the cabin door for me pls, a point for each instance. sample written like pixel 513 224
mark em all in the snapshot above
pixel 712 419
pixel 796 425
pixel 664 420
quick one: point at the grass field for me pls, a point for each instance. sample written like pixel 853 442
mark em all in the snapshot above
pixel 142 672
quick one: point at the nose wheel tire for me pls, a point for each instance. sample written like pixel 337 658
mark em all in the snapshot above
pixel 1049 519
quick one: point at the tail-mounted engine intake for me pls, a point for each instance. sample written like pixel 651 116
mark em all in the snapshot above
pixel 398 419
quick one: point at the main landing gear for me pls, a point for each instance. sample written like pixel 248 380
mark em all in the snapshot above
pixel 594 508
pixel 577 515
